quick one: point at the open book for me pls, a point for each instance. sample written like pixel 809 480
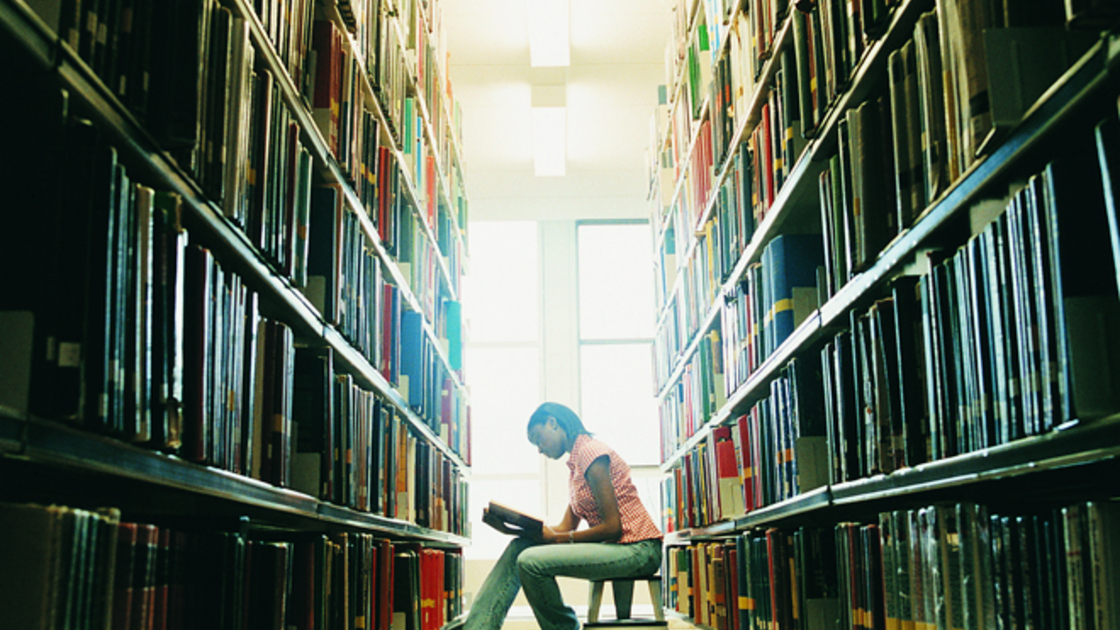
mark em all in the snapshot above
pixel 523 524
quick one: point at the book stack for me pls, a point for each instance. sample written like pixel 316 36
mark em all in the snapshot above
pixel 124 574
pixel 905 252
pixel 216 233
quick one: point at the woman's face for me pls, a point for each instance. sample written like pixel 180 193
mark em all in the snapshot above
pixel 549 438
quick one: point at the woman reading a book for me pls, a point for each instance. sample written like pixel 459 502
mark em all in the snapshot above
pixel 620 541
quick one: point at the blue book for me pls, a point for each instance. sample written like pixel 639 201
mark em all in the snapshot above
pixel 453 322
pixel 412 358
pixel 790 264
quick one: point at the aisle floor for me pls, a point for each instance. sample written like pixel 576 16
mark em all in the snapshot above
pixel 521 618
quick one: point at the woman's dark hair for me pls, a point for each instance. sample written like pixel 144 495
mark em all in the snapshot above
pixel 566 418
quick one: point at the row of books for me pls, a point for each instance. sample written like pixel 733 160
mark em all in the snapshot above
pixel 756 170
pixel 147 55
pixel 416 29
pixel 828 40
pixel 237 375
pixel 730 227
pixel 688 287
pixel 154 339
pixel 867 152
pixel 351 288
pixel 233 132
pixel 418 162
pixel 973 566
pixel 765 579
pixel 450 234
pixel 346 281
pixel 856 179
pixel 353 447
pixel 338 105
pixel 997 340
pixel 104 315
pixel 919 130
pixel 274 183
pixel 428 384
pixel 961 565
pixel 871 136
pixel 685 312
pixel 353 136
pixel 288 27
pixel 419 262
pixel 433 86
pixel 773 298
pixel 728 78
pixel 257 435
pixel 390 74
pixel 695 396
pixel 775 451
pixel 353 132
pixel 73 567
pixel 716 42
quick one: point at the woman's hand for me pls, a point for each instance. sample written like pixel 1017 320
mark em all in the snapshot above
pixel 551 536
pixel 498 524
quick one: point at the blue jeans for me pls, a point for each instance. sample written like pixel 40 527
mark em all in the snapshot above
pixel 536 567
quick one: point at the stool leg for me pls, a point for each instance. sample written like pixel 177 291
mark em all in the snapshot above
pixel 655 597
pixel 623 597
pixel 596 601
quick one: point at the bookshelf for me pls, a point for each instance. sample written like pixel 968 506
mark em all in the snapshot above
pixel 280 374
pixel 927 442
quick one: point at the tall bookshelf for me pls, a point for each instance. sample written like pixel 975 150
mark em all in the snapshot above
pixel 878 226
pixel 233 391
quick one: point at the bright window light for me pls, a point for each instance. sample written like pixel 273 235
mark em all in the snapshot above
pixel 505 389
pixel 501 291
pixel 548 32
pixel 617 399
pixel 615 281
pixel 549 141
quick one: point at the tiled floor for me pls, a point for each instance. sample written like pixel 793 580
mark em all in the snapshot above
pixel 521 618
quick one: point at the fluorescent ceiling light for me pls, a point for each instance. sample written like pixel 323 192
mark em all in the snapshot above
pixel 548 32
pixel 549 141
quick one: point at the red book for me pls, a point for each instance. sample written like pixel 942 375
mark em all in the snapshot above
pixel 428 597
pixel 325 99
pixel 742 436
pixel 385 579
pixel 373 583
pixel 767 162
pixel 161 598
pixel 728 479
pixel 430 183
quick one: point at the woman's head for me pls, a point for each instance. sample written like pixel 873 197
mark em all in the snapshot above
pixel 553 429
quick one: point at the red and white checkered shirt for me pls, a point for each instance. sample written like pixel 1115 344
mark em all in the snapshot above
pixel 636 522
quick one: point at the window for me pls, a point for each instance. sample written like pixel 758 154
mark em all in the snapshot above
pixel 505 386
pixel 616 311
pixel 502 362
pixel 615 281
pixel 502 287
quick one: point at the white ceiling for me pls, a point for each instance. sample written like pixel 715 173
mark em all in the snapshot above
pixel 617 62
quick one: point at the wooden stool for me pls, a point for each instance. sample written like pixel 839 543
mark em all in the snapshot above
pixel 623 590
